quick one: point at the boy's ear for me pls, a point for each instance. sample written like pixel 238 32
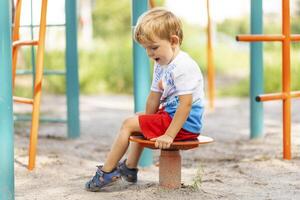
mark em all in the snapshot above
pixel 174 40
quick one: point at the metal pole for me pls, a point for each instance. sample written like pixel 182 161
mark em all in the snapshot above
pixel 256 71
pixel 72 79
pixel 6 107
pixel 286 79
pixel 33 59
pixel 285 38
pixel 141 75
pixel 210 61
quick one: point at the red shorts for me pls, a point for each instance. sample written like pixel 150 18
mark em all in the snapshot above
pixel 155 125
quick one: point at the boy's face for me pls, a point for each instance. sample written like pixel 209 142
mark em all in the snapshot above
pixel 161 51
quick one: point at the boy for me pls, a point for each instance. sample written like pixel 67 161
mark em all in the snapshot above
pixel 174 106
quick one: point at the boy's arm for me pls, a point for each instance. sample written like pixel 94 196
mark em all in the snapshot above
pixel 153 102
pixel 181 114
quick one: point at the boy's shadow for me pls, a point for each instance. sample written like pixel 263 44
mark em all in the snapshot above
pixel 122 185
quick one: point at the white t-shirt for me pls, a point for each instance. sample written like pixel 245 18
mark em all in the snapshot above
pixel 181 76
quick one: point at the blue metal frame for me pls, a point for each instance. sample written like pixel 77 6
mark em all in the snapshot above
pixel 72 78
pixel 141 75
pixel 256 71
pixel 6 106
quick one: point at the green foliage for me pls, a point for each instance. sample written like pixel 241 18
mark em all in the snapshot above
pixel 295 28
pixel 55 60
pixel 272 74
pixel 232 27
pixel 108 68
pixel 159 3
pixel 197 180
pixel 111 19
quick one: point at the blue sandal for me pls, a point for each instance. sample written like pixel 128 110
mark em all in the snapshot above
pixel 129 174
pixel 102 179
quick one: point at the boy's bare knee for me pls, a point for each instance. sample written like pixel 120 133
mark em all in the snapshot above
pixel 127 123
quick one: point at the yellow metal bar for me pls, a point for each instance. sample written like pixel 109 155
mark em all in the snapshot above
pixel 151 3
pixel 210 61
pixel 25 43
pixel 295 94
pixel 16 36
pixel 37 87
pixel 22 100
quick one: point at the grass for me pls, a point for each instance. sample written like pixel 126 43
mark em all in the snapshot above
pixel 197 181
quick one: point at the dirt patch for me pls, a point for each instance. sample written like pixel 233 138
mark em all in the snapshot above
pixel 233 167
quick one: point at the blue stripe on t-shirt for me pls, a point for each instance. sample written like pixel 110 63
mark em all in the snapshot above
pixel 194 121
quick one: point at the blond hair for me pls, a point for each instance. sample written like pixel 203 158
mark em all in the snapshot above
pixel 157 22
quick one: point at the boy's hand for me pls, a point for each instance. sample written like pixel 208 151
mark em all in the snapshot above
pixel 163 142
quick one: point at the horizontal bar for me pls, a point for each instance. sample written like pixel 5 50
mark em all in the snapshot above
pixel 295 94
pixel 46 72
pixel 295 37
pixel 37 25
pixel 25 43
pixel 22 100
pixel 270 97
pixel 277 96
pixel 259 38
pixel 42 119
pixel 249 38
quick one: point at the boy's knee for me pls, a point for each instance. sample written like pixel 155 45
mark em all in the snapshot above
pixel 127 123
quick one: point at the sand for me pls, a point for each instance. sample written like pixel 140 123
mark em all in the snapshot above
pixel 233 167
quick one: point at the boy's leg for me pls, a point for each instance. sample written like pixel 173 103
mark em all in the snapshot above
pixel 121 143
pixel 135 152
pixel 128 167
pixel 134 155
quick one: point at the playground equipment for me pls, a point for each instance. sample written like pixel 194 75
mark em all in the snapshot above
pixel 6 111
pixel 71 72
pixel 285 38
pixel 35 101
pixel 151 3
pixel 256 71
pixel 210 61
pixel 38 72
pixel 141 74
pixel 170 177
pixel 6 114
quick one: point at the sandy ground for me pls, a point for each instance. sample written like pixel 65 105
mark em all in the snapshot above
pixel 233 167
